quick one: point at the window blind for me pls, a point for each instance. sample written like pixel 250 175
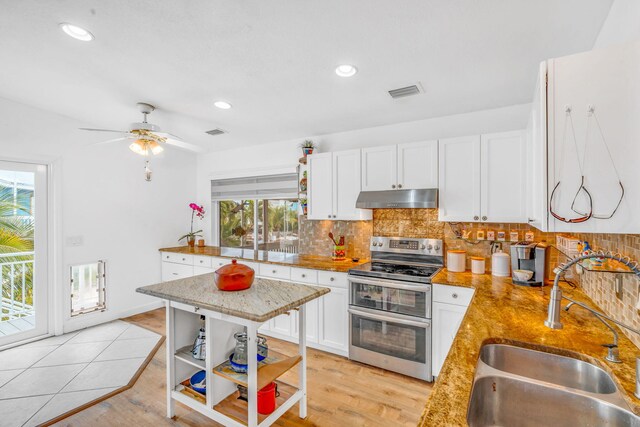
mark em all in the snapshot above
pixel 282 186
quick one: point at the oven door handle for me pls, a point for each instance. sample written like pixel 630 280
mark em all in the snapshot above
pixel 419 324
pixel 425 288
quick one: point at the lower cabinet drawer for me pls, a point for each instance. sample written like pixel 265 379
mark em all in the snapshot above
pixel 275 271
pixel 304 275
pixel 452 294
pixel 177 258
pixel 173 271
pixel 333 279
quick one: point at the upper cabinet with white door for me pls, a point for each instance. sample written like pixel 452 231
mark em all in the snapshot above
pixel 402 167
pixel 483 178
pixel 605 149
pixel 334 185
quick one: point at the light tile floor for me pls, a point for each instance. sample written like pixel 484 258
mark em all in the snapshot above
pixel 41 380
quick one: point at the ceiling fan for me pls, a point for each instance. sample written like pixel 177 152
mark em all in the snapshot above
pixel 147 137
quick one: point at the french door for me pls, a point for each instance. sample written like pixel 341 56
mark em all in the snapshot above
pixel 23 251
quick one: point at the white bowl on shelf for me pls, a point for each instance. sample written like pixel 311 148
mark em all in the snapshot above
pixel 522 275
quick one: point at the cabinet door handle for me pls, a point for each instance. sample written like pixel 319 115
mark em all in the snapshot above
pixel 454 295
pixel 274 271
pixel 399 185
pixel 332 279
pixel 175 274
pixel 393 186
pixel 476 217
pixel 304 275
pixel 184 259
pixel 531 220
pixel 329 216
pixel 484 218
pixel 334 216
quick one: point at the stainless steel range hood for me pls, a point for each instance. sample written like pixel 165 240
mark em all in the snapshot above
pixel 398 199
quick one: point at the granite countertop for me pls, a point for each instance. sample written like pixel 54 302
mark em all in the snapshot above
pixel 501 312
pixel 264 300
pixel 314 262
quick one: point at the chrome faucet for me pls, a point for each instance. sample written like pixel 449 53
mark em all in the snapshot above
pixel 613 354
pixel 555 305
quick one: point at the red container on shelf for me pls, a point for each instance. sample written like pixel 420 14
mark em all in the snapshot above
pixel 234 277
pixel 267 398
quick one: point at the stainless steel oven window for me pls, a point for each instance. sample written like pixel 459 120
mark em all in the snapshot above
pixel 394 298
pixel 391 337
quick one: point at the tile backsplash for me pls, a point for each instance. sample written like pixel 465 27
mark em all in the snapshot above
pixel 314 237
pixel 424 223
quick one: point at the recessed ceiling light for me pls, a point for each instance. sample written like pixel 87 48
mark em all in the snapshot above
pixel 346 70
pixel 76 32
pixel 223 105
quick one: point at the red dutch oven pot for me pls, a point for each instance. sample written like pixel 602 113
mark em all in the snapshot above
pixel 234 277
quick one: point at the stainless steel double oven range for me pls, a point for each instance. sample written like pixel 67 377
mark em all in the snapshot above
pixel 390 305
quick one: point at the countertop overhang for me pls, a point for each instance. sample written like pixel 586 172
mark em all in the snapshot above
pixel 502 312
pixel 314 262
pixel 265 299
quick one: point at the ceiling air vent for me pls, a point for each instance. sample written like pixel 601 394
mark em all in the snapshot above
pixel 215 132
pixel 404 91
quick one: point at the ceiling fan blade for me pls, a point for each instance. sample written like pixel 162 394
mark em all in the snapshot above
pixel 103 130
pixel 168 136
pixel 185 145
pixel 124 138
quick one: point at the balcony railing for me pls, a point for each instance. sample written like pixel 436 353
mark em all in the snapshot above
pixel 16 273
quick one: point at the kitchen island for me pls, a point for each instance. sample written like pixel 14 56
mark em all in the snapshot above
pixel 226 313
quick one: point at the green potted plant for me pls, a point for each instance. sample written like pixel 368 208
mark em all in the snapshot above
pixel 307 147
pixel 196 211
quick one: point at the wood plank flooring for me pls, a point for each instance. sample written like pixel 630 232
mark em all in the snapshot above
pixel 340 393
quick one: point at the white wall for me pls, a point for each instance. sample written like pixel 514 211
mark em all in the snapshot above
pixel 100 194
pixel 249 160
pixel 622 24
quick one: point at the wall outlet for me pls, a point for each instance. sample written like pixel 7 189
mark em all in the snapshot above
pixel 74 241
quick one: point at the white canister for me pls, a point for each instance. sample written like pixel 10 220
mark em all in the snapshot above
pixel 477 265
pixel 456 261
pixel 500 264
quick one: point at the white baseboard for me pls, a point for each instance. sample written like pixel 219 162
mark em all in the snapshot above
pixel 93 319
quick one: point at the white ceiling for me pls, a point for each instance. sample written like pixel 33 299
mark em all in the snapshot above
pixel 274 60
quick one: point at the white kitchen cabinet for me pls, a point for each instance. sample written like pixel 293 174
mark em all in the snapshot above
pixel 282 324
pixel 400 167
pixel 320 186
pixel 536 135
pixel 379 168
pixel 334 320
pixel 334 185
pixel 175 271
pixel 483 178
pixel 606 80
pixel 503 174
pixel 446 322
pixel 450 304
pixel 459 179
pixel 418 165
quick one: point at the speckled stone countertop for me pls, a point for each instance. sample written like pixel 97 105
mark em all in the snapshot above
pixel 501 312
pixel 264 300
pixel 314 262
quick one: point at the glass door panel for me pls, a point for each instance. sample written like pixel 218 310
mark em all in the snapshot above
pixel 370 294
pixel 23 251
pixel 391 337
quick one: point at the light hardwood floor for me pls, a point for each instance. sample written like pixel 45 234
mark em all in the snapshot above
pixel 340 393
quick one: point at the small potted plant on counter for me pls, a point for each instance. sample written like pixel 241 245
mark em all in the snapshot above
pixel 196 211
pixel 307 147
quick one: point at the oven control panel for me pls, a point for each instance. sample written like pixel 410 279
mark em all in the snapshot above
pixel 407 245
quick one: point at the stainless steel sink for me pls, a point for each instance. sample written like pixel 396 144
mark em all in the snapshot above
pixel 503 401
pixel 515 386
pixel 552 368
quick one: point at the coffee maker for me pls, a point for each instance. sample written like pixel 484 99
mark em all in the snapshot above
pixel 529 256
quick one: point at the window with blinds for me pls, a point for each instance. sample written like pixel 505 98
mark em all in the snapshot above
pixel 282 186
pixel 259 213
